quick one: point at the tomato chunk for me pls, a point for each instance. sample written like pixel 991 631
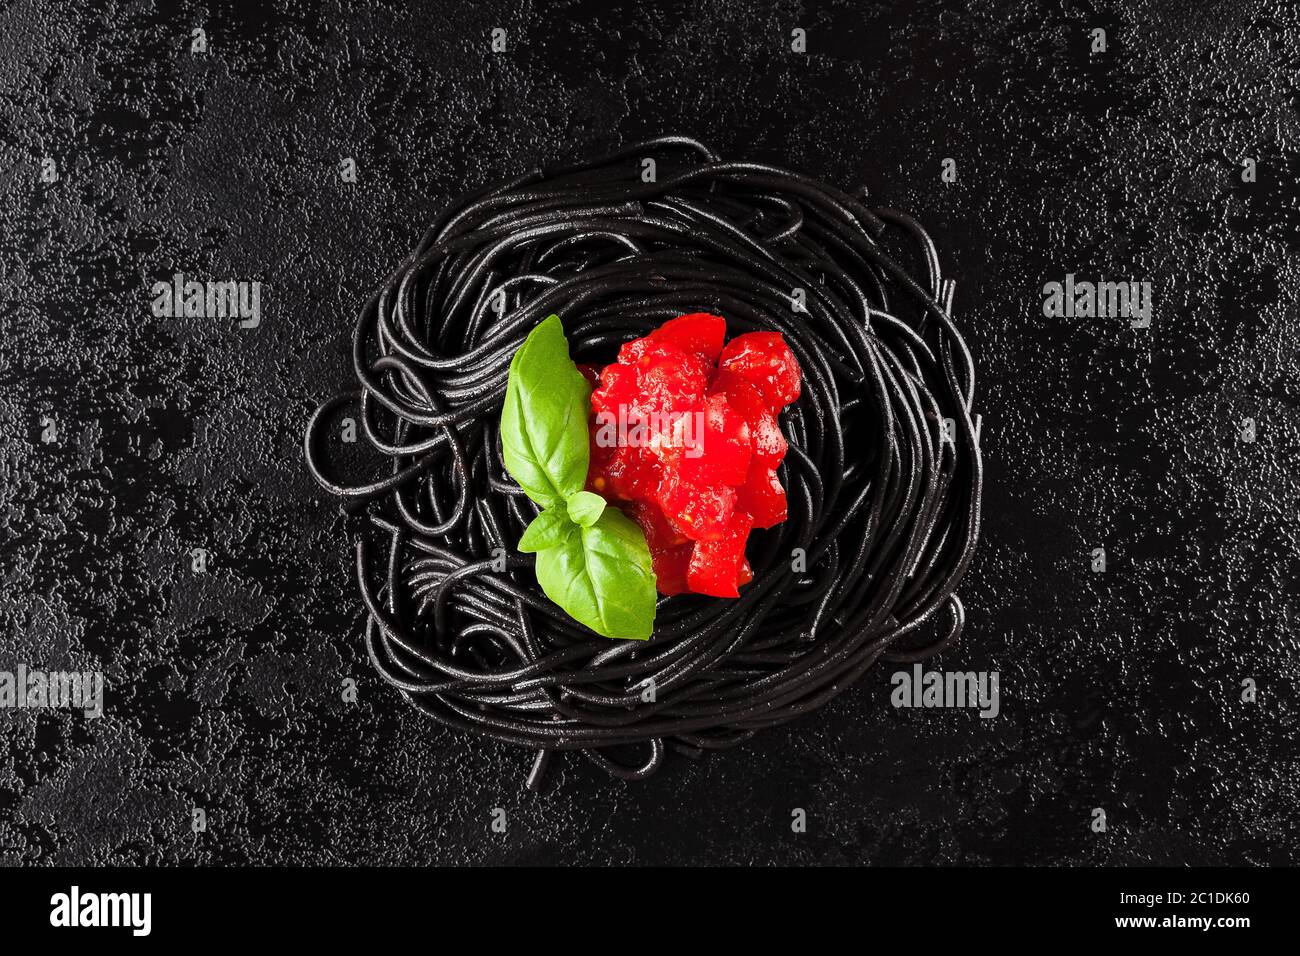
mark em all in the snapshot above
pixel 765 432
pixel 618 390
pixel 721 454
pixel 699 332
pixel 670 378
pixel 671 566
pixel 701 511
pixel 630 474
pixel 601 456
pixel 715 565
pixel 660 533
pixel 746 574
pixel 766 362
pixel 762 498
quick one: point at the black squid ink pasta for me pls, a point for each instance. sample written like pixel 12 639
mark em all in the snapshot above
pixel 883 474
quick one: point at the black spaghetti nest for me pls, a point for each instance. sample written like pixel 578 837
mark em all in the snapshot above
pixel 883 473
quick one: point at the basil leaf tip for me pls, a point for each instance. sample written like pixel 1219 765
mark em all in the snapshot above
pixel 585 507
pixel 545 531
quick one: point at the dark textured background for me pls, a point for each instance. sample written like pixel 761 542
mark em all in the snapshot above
pixel 1119 690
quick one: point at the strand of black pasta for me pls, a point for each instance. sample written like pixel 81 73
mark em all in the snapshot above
pixel 883 475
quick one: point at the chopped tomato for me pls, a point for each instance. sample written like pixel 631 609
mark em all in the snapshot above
pixel 715 565
pixel 721 454
pixel 762 497
pixel 669 378
pixel 766 362
pixel 765 432
pixel 671 566
pixel 618 389
pixel 601 455
pixel 701 511
pixel 685 437
pixel 660 533
pixel 630 474
pixel 698 332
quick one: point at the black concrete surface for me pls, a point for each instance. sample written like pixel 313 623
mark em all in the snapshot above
pixel 1120 690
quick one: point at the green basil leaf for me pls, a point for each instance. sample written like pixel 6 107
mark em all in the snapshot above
pixel 544 421
pixel 602 576
pixel 585 507
pixel 546 530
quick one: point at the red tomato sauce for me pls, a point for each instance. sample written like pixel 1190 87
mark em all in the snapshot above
pixel 685 437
